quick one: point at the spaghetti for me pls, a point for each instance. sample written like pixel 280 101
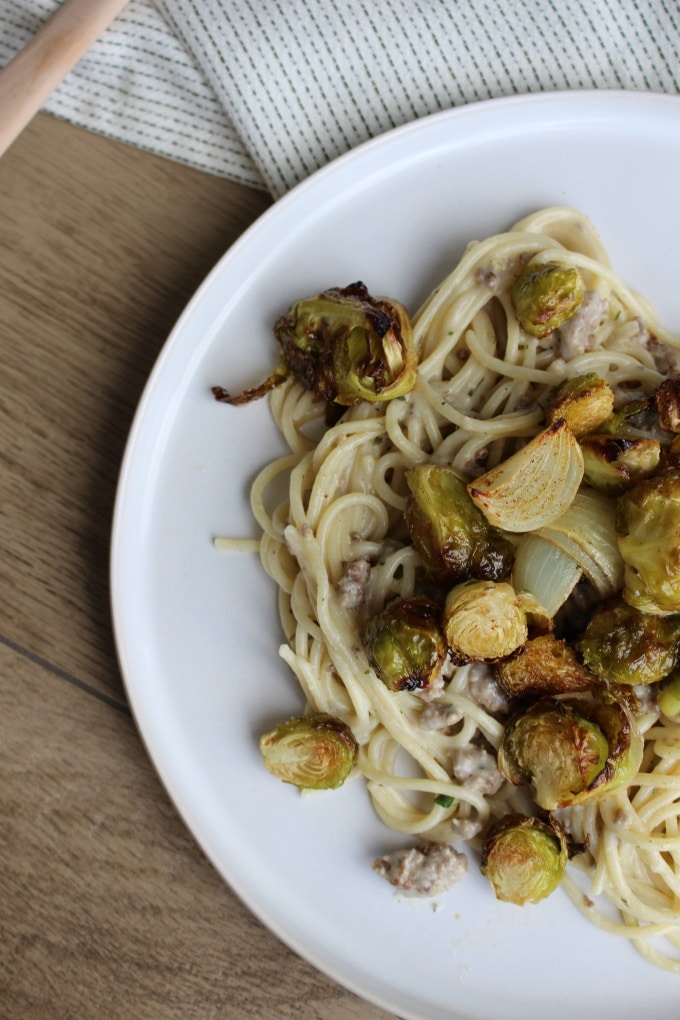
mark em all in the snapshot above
pixel 339 553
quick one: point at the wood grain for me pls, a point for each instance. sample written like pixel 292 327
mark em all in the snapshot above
pixel 107 906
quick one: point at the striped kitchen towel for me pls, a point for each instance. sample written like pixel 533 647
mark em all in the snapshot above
pixel 267 91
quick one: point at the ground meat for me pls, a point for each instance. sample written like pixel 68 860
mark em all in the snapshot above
pixel 666 359
pixel 476 768
pixel 438 682
pixel 424 871
pixel 465 828
pixel 439 715
pixel 352 584
pixel 577 334
pixel 485 690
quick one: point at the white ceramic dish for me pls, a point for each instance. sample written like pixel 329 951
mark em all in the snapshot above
pixel 197 630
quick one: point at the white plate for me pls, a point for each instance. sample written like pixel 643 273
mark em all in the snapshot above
pixel 197 630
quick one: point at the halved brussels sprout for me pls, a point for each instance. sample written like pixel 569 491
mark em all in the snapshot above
pixel 487 620
pixel 546 296
pixel 554 748
pixel 344 346
pixel 570 750
pixel 648 524
pixel 524 858
pixel 347 346
pixel 613 464
pixel 313 752
pixel 404 643
pixel 585 402
pixel 624 646
pixel 452 536
pixel 543 665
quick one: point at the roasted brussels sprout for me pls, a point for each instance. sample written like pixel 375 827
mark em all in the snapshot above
pixel 524 858
pixel 546 296
pixel 668 696
pixel 405 644
pixel 624 646
pixel 667 402
pixel 486 620
pixel 314 752
pixel 635 418
pixel 347 346
pixel 554 748
pixel 585 402
pixel 344 346
pixel 613 464
pixel 648 524
pixel 452 536
pixel 543 665
pixel 570 751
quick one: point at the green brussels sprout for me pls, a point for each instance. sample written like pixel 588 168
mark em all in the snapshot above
pixel 668 696
pixel 313 752
pixel 546 296
pixel 543 665
pixel 570 751
pixel 524 858
pixel 648 526
pixel 613 464
pixel 343 345
pixel 556 749
pixel 405 644
pixel 584 402
pixel 624 646
pixel 452 536
pixel 347 346
pixel 486 620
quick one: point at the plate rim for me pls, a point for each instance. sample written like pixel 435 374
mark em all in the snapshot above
pixel 583 99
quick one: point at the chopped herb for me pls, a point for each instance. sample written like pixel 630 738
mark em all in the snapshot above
pixel 443 800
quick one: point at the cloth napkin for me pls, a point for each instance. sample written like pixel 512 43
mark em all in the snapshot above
pixel 266 91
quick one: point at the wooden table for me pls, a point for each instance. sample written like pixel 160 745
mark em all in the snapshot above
pixel 107 906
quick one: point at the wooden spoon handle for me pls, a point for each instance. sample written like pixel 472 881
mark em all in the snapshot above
pixel 29 78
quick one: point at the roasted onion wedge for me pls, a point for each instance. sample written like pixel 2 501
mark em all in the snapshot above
pixel 533 486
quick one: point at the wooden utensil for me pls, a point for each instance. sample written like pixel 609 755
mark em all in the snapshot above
pixel 30 77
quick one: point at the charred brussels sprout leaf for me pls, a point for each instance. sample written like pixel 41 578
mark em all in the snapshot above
pixel 667 402
pixel 313 752
pixel 347 346
pixel 452 535
pixel 405 644
pixel 613 464
pixel 635 418
pixel 546 296
pixel 486 620
pixel 524 858
pixel 543 665
pixel 624 646
pixel 585 402
pixel 648 525
pixel 570 751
